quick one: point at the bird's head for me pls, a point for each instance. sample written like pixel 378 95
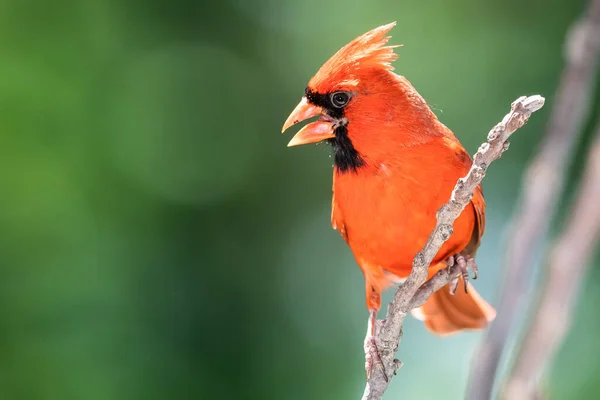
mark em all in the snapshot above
pixel 363 107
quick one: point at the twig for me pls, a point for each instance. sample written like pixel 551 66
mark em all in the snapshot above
pixel 542 186
pixel 567 264
pixel 441 279
pixel 412 292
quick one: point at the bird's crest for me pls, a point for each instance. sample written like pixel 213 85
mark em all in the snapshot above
pixel 366 52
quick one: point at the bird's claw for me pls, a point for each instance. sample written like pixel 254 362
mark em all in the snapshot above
pixel 372 357
pixel 464 263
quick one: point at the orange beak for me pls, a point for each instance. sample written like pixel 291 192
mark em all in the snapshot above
pixel 313 132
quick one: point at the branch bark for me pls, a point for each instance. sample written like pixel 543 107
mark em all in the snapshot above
pixel 414 291
pixel 541 189
pixel 567 264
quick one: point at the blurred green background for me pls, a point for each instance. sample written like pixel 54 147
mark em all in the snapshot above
pixel 158 239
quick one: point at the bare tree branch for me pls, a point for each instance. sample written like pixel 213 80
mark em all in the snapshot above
pixel 413 292
pixel 441 279
pixel 567 264
pixel 542 186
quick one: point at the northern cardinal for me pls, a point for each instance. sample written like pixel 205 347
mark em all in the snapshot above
pixel 395 165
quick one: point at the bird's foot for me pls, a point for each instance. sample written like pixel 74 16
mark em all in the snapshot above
pixel 372 357
pixel 464 263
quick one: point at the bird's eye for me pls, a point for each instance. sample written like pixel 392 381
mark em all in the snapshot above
pixel 340 99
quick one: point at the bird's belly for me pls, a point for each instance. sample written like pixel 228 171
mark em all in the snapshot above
pixel 385 227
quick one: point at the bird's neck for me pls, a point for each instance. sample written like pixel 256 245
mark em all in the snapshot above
pixel 346 157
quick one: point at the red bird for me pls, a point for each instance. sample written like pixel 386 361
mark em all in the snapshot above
pixel 395 165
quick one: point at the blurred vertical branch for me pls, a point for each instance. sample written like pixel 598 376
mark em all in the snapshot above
pixel 543 183
pixel 566 268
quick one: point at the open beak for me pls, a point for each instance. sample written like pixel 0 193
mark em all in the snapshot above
pixel 313 132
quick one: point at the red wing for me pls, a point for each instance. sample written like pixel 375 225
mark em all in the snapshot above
pixel 479 204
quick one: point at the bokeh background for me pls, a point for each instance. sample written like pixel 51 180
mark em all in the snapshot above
pixel 159 241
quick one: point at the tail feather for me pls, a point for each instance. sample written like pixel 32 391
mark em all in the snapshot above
pixel 445 314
